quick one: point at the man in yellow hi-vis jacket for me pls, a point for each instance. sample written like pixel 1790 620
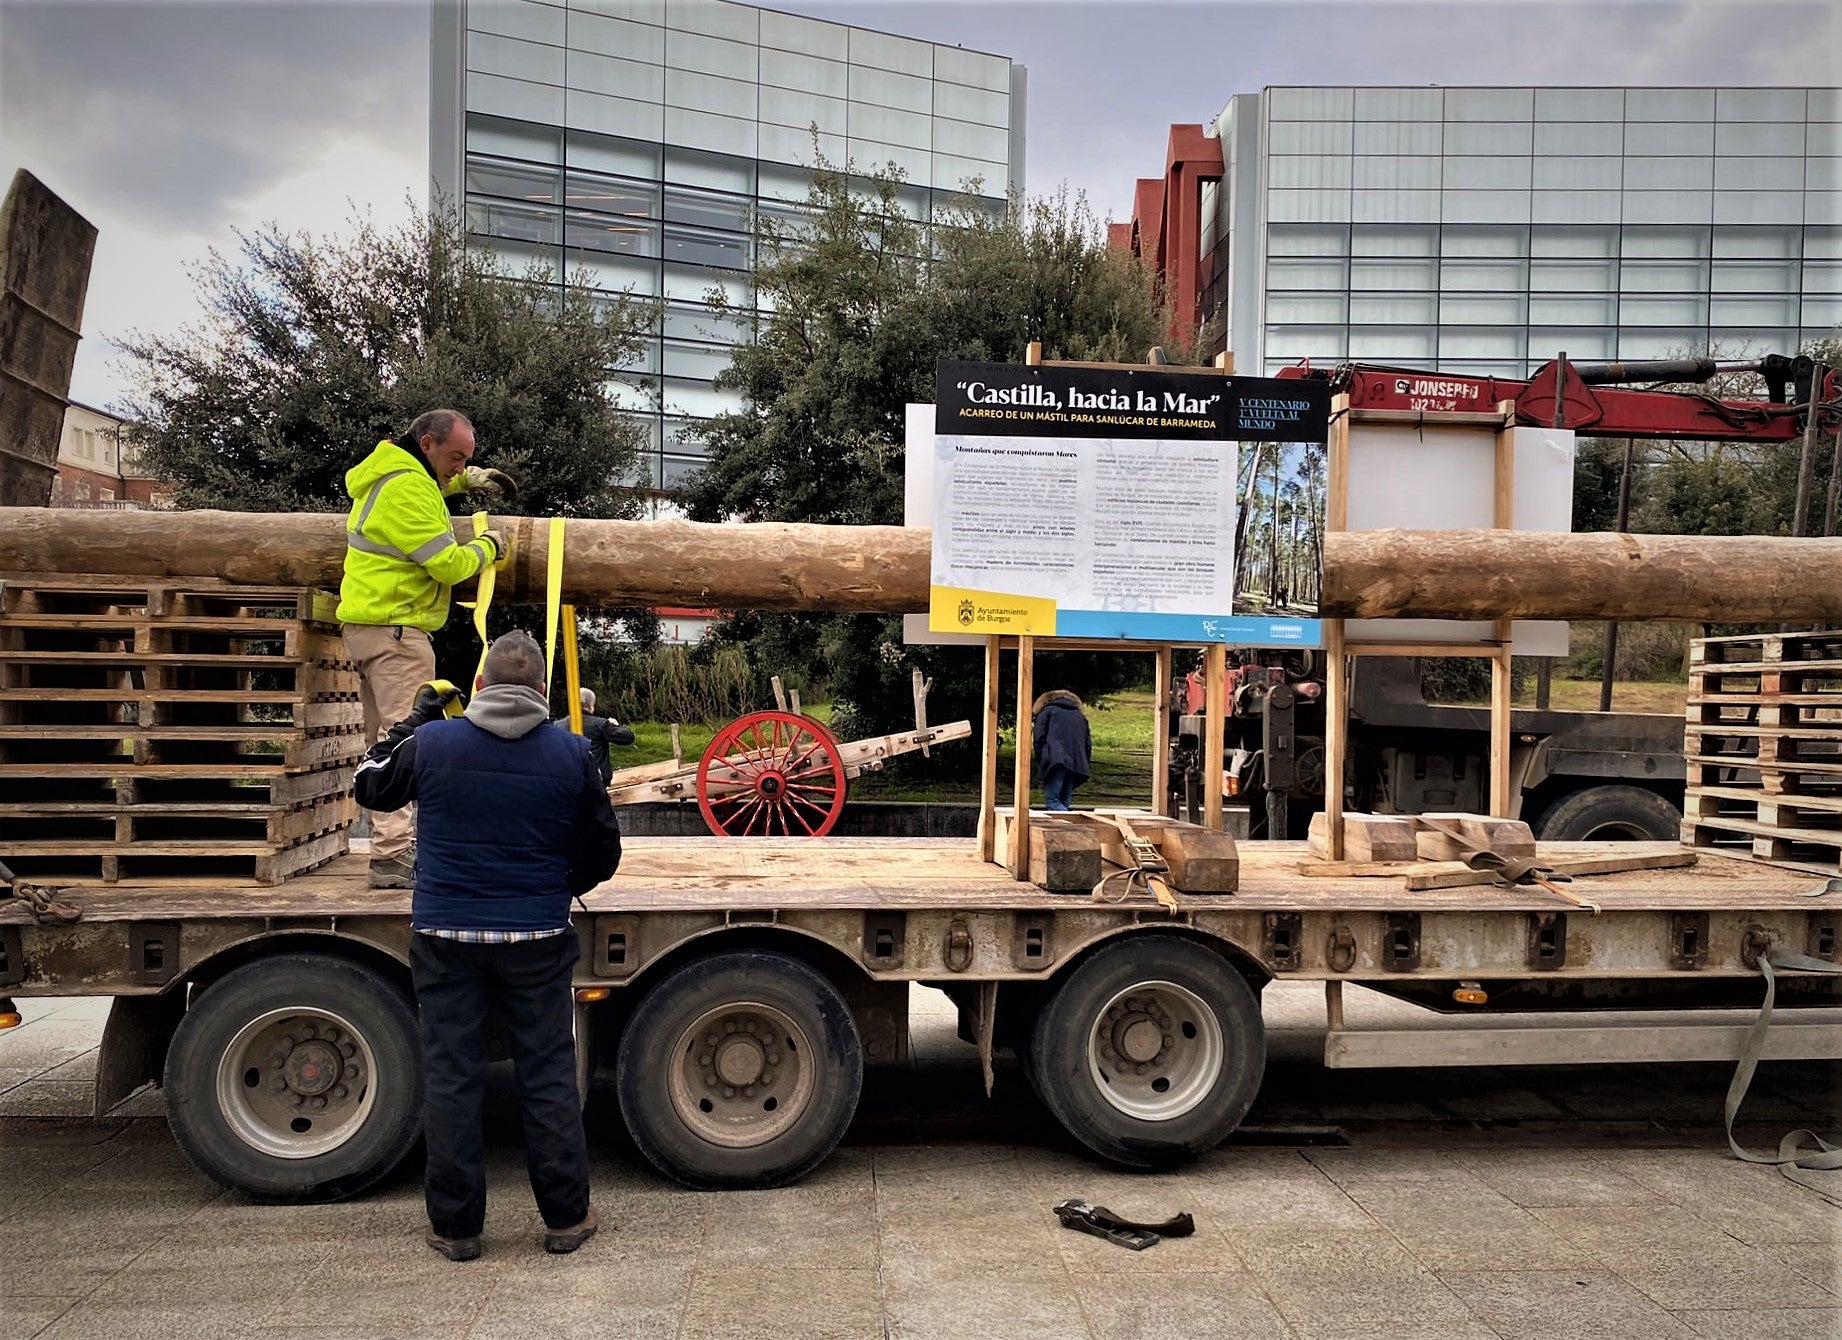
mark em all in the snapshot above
pixel 401 562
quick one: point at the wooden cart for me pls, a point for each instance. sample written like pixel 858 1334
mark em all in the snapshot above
pixel 778 773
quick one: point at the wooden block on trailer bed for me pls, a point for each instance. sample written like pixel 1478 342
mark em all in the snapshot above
pixel 1367 837
pixel 1506 837
pixel 1064 858
pixel 1065 854
pixel 1201 860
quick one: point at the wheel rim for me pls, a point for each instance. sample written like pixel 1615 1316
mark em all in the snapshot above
pixel 771 774
pixel 297 1082
pixel 1155 1051
pixel 1616 830
pixel 742 1076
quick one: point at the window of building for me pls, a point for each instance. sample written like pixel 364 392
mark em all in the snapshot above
pixel 611 195
pixel 703 246
pixel 514 222
pixel 512 181
pixel 600 232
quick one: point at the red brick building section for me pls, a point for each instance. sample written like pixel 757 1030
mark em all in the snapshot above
pixel 1166 227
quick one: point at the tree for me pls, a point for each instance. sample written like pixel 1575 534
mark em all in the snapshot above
pixel 310 350
pixel 858 303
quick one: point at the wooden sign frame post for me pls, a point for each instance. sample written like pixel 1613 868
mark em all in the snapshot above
pixel 1016 856
pixel 1340 652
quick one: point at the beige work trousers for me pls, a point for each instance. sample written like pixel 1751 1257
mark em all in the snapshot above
pixel 393 662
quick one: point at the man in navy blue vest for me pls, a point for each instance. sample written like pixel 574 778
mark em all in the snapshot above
pixel 513 822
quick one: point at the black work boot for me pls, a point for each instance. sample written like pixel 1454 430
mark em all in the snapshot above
pixel 455 1249
pixel 561 1240
pixel 394 872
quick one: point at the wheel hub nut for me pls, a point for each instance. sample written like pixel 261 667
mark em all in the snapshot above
pixel 739 1060
pixel 313 1068
pixel 1140 1040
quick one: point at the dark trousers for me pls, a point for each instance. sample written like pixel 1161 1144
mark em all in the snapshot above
pixel 1058 787
pixel 526 985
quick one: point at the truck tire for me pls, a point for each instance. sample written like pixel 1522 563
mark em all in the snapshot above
pixel 1611 814
pixel 1151 1051
pixel 739 1070
pixel 297 1078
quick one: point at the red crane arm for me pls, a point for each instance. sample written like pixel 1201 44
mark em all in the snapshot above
pixel 1592 407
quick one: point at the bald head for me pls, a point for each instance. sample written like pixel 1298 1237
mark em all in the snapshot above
pixel 514 658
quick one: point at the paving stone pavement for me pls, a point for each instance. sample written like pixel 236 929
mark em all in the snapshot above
pixel 1419 1205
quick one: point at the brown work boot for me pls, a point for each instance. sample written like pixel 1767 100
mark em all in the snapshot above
pixel 394 872
pixel 561 1240
pixel 455 1249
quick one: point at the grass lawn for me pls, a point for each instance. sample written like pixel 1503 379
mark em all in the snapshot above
pixel 1581 695
pixel 1123 740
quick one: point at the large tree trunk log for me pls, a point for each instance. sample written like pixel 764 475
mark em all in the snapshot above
pixel 609 563
pixel 1453 574
pixel 1493 574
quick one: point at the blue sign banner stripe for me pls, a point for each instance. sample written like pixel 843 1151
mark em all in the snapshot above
pixel 1189 628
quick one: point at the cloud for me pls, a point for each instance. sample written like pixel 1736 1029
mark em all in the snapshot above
pixel 171 126
pixel 181 112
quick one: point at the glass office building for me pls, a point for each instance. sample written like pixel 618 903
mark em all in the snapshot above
pixel 641 140
pixel 1488 229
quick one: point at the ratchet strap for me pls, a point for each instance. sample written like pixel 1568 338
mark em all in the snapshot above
pixel 1128 1233
pixel 1803 1149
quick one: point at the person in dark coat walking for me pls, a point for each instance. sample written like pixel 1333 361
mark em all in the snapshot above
pixel 1064 746
pixel 513 822
pixel 600 732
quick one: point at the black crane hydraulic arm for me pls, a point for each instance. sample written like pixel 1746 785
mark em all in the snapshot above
pixel 1589 397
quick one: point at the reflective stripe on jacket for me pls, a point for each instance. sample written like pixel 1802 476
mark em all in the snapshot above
pixel 401 558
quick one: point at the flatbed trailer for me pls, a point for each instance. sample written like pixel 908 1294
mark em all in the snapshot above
pixel 737 988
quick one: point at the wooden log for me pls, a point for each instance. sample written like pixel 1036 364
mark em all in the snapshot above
pixel 1458 574
pixel 1454 574
pixel 770 566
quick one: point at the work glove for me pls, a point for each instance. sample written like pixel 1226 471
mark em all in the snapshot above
pixel 501 547
pixel 485 479
pixel 432 703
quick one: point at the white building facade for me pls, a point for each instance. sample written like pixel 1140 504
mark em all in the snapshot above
pixel 640 140
pixel 1488 229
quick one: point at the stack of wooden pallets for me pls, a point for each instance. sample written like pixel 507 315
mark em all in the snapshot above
pixel 175 730
pixel 1764 748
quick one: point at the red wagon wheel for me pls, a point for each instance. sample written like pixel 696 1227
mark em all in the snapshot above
pixel 771 774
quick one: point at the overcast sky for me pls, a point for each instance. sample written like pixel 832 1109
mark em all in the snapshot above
pixel 171 125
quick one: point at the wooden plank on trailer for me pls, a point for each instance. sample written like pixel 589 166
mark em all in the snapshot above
pixel 1462 877
pixel 988 756
pixel 1214 730
pixel 1018 854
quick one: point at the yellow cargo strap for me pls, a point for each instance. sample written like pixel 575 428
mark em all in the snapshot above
pixel 455 705
pixel 553 610
pixel 553 596
pixel 572 669
pixel 482 601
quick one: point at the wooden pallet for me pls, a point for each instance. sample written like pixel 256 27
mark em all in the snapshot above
pixel 168 730
pixel 181 862
pixel 79 827
pixel 210 788
pixel 1763 746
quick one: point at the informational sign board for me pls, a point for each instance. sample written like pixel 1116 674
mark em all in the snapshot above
pixel 1125 503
